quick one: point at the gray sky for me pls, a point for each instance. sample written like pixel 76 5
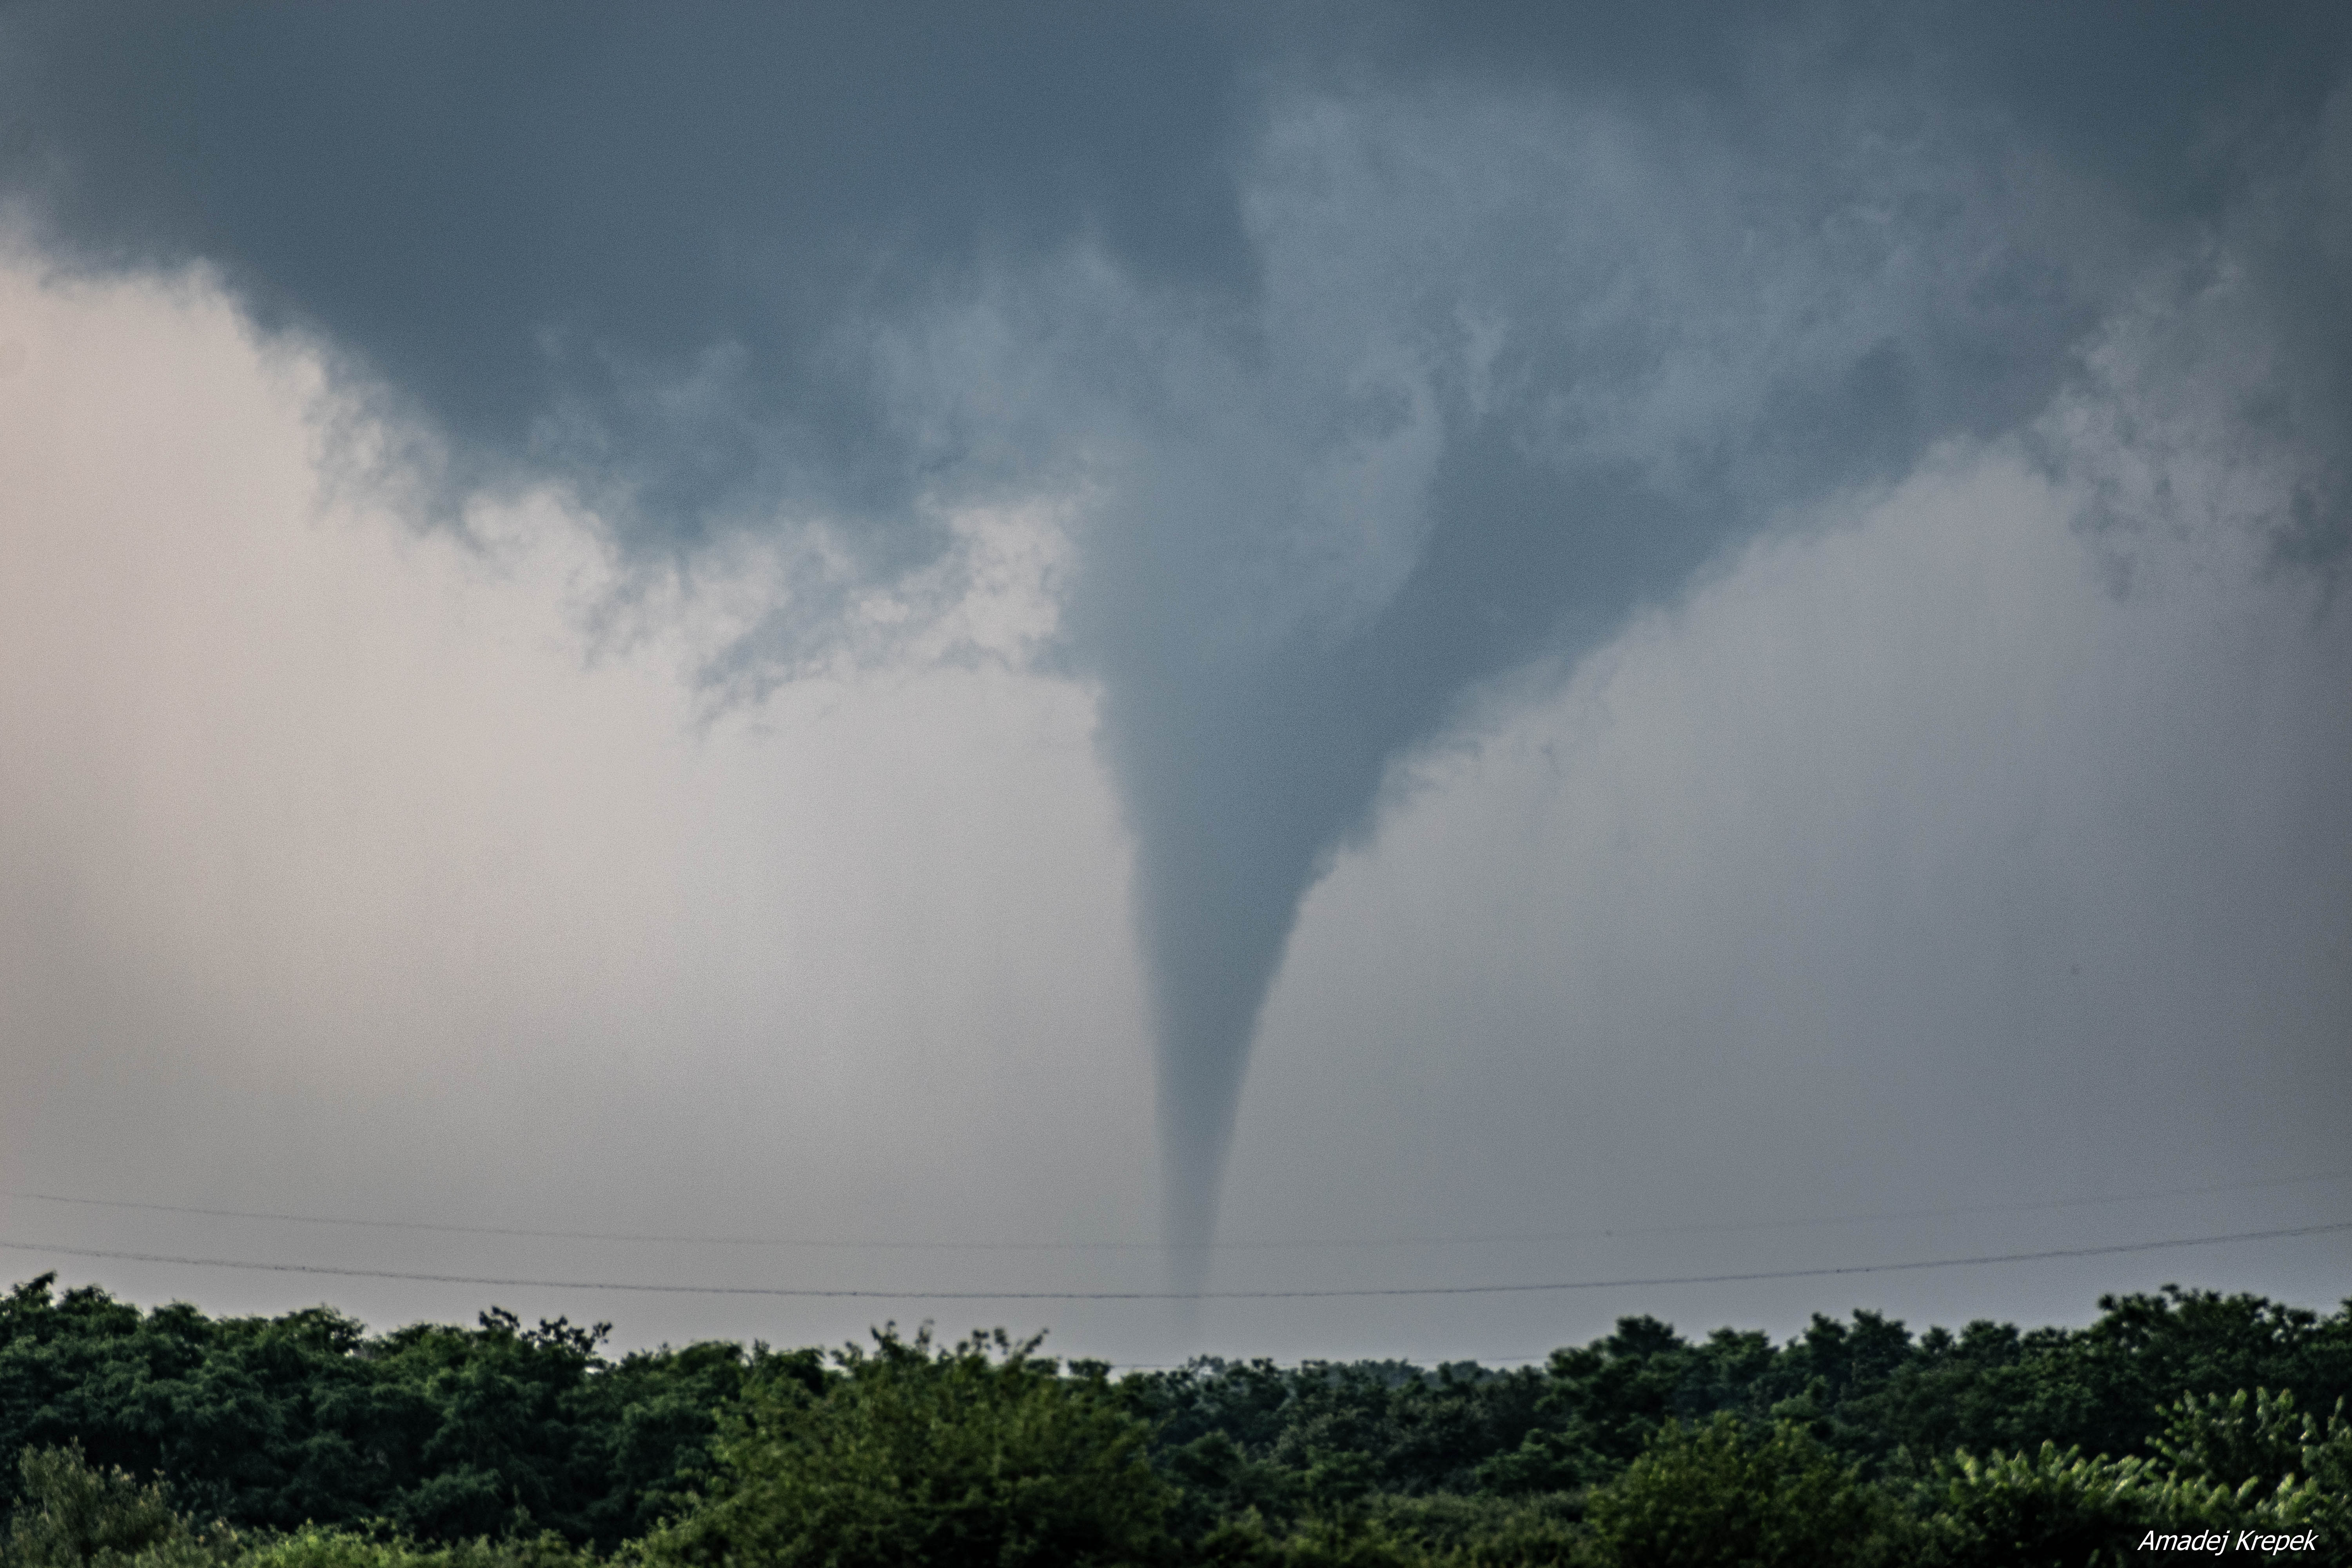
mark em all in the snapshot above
pixel 1539 649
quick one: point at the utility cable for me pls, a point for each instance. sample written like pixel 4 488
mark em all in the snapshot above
pixel 1700 1227
pixel 2112 1250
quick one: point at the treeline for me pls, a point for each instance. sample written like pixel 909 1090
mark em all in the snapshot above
pixel 171 1439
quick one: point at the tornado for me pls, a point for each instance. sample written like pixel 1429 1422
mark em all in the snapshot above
pixel 1378 356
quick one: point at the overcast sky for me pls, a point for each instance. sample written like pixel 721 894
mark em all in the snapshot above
pixel 1159 649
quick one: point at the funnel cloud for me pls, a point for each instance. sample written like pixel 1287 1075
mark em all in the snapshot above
pixel 1371 359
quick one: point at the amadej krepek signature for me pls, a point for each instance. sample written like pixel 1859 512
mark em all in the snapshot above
pixel 2216 1541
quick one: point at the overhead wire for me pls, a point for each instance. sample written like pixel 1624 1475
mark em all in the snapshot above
pixel 812 1292
pixel 837 1244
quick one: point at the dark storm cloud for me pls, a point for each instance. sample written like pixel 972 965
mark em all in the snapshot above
pixel 534 222
pixel 1375 352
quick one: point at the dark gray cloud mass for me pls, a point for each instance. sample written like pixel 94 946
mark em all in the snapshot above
pixel 1373 353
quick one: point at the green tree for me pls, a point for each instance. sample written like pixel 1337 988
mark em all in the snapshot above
pixel 2061 1509
pixel 909 1454
pixel 314 1547
pixel 70 1514
pixel 1726 1495
pixel 2285 1469
pixel 449 1433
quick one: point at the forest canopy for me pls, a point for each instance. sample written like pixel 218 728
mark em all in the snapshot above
pixel 166 1436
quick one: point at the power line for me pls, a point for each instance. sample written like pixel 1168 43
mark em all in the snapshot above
pixel 814 1293
pixel 1701 1228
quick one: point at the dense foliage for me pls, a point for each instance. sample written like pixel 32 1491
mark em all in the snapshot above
pixel 907 1456
pixel 168 1439
pixel 448 1433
